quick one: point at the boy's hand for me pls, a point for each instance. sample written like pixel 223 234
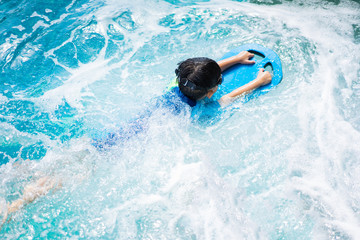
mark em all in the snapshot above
pixel 244 57
pixel 264 77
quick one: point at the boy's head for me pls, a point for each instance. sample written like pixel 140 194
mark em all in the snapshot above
pixel 198 77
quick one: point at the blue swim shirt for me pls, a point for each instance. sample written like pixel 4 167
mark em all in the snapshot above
pixel 174 102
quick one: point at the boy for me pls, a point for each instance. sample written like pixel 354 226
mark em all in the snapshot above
pixel 197 78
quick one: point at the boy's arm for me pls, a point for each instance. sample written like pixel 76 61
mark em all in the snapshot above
pixel 263 78
pixel 242 58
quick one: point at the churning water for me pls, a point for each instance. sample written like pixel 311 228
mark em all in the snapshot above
pixel 285 165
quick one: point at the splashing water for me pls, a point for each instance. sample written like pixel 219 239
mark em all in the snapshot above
pixel 282 166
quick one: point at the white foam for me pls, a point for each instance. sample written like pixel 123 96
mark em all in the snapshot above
pixel 20 27
pixel 35 14
pixel 286 152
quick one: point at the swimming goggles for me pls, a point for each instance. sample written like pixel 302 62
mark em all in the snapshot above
pixel 220 80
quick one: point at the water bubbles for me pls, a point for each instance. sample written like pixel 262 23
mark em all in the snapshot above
pixel 126 21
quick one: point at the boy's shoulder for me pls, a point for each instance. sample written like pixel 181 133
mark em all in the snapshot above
pixel 175 96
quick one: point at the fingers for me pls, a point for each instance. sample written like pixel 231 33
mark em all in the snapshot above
pixel 250 56
pixel 262 70
pixel 245 56
pixel 249 62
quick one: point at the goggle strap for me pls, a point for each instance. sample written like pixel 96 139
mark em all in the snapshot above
pixel 190 84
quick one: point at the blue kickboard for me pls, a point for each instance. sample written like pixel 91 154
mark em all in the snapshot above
pixel 241 74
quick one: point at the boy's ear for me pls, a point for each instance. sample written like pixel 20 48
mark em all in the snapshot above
pixel 210 93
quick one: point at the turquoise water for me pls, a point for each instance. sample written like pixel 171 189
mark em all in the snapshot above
pixel 282 166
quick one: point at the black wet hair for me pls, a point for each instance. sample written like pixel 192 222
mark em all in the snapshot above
pixel 196 76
